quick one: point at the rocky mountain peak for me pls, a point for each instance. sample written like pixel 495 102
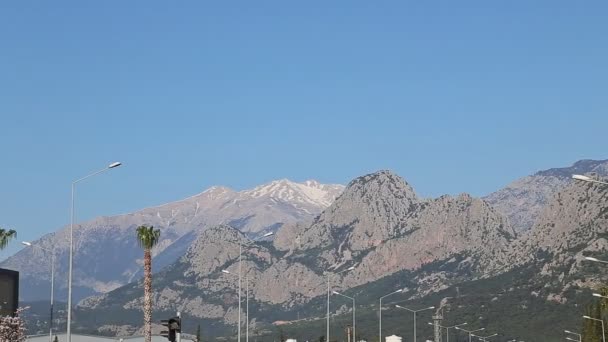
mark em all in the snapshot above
pixel 307 193
pixel 381 183
pixel 579 167
pixel 572 225
pixel 215 248
pixel 312 183
pixel 523 200
pixel 222 232
pixel 217 191
pixel 103 243
pixel 373 208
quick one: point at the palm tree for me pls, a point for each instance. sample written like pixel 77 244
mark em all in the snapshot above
pixel 147 237
pixel 6 235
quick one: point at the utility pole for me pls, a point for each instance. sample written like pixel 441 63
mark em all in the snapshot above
pixel 437 320
pixel 327 332
pixel 240 277
pixel 178 334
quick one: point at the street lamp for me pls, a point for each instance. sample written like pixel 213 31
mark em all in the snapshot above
pixel 247 290
pixel 247 296
pixel 596 260
pixel 447 329
pixel 485 338
pixel 380 312
pixel 599 295
pixel 328 294
pixel 580 337
pixel 240 288
pixel 470 332
pixel 601 321
pixel 71 259
pixel 268 234
pixel 588 179
pixel 52 251
pixel 414 312
pixel 354 314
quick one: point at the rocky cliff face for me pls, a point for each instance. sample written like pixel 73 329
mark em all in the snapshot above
pixel 573 225
pixel 107 255
pixel 523 200
pixel 373 208
pixel 196 284
pixel 378 225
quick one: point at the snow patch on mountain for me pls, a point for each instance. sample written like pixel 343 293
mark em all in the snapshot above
pixel 310 192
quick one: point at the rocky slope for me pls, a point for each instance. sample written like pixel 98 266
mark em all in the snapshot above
pixel 573 225
pixel 107 255
pixel 379 225
pixel 524 199
pixel 449 247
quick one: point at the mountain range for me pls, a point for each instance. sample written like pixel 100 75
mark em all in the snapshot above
pixel 106 252
pixel 521 249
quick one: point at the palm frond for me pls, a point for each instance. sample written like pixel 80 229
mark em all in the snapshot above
pixel 6 235
pixel 147 236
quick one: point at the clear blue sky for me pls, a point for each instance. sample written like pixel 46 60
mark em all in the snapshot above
pixel 455 96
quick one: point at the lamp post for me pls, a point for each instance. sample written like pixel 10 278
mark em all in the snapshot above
pixel 354 314
pixel 470 332
pixel 485 338
pixel 247 308
pixel 447 329
pixel 580 337
pixel 596 260
pixel 240 279
pixel 247 291
pixel 240 275
pixel 414 312
pixel 380 313
pixel 247 287
pixel 588 179
pixel 52 251
pixel 599 296
pixel 329 293
pixel 601 321
pixel 71 259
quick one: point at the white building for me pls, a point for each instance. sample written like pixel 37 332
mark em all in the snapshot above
pixel 89 338
pixel 393 338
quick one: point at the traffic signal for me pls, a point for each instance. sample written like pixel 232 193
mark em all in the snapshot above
pixel 174 326
pixel 9 292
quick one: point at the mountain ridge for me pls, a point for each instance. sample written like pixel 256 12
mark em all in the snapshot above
pixel 284 276
pixel 392 237
pixel 523 199
pixel 113 237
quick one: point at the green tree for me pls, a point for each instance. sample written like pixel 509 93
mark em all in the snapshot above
pixel 198 333
pixel 6 235
pixel 604 301
pixel 147 237
pixel 592 330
